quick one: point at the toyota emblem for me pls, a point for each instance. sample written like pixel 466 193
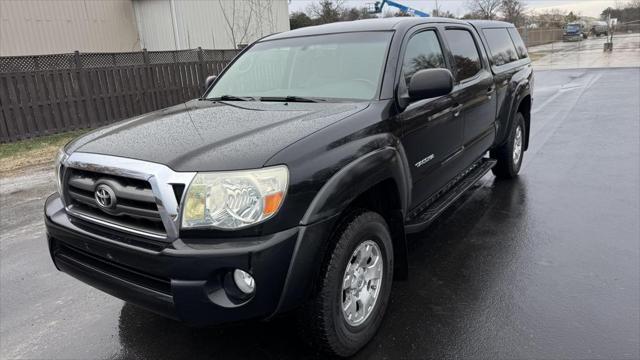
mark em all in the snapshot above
pixel 105 196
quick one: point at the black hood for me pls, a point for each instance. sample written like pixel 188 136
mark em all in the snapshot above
pixel 203 135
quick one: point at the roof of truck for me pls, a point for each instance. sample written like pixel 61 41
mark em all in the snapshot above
pixel 482 24
pixel 393 23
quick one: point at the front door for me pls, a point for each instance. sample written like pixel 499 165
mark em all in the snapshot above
pixel 432 128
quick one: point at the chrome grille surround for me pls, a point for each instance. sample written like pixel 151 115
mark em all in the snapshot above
pixel 160 177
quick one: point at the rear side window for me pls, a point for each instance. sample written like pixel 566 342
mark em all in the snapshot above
pixel 423 52
pixel 465 53
pixel 501 46
pixel 517 40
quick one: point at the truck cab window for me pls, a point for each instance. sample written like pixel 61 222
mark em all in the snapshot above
pixel 501 47
pixel 423 52
pixel 517 40
pixel 465 53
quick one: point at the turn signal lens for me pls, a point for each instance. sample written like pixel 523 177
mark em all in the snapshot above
pixel 272 203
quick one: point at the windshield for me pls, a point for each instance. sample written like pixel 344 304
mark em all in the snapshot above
pixel 573 27
pixel 338 66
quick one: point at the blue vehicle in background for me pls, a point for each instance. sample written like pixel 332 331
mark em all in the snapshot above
pixel 575 31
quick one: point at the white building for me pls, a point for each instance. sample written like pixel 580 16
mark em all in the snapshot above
pixel 185 24
pixel 34 27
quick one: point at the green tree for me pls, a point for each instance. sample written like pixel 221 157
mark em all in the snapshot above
pixel 299 19
pixel 630 12
pixel 351 14
pixel 571 17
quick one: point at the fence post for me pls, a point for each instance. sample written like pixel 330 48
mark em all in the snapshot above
pixel 201 67
pixel 145 56
pixel 78 93
pixel 76 59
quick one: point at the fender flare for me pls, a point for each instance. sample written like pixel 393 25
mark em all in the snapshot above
pixel 361 174
pixel 523 90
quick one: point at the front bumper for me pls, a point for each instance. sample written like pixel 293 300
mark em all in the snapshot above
pixel 572 37
pixel 187 281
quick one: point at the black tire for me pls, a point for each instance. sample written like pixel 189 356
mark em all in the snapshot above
pixel 507 167
pixel 321 320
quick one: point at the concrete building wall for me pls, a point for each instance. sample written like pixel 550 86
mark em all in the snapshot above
pixel 211 24
pixel 35 27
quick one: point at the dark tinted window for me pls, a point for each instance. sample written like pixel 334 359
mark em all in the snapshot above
pixel 500 45
pixel 465 53
pixel 423 52
pixel 517 40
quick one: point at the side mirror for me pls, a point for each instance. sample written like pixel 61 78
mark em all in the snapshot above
pixel 430 83
pixel 209 81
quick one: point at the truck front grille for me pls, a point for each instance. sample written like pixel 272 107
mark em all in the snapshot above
pixel 128 197
pixel 134 206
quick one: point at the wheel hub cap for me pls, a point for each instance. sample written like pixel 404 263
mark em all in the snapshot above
pixel 517 146
pixel 361 283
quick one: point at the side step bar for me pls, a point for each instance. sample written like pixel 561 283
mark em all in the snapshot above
pixel 438 203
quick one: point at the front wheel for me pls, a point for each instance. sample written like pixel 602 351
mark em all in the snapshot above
pixel 354 287
pixel 509 155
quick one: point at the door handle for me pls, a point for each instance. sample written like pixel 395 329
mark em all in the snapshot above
pixel 490 91
pixel 456 110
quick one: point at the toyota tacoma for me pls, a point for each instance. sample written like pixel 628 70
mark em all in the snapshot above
pixel 290 185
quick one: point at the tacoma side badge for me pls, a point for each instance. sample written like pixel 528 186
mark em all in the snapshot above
pixel 424 161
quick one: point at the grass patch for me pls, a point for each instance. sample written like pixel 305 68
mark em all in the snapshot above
pixel 16 157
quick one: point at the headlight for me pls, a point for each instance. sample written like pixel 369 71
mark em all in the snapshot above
pixel 60 157
pixel 234 199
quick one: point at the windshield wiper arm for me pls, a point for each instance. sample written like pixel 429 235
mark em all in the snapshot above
pixel 291 99
pixel 231 98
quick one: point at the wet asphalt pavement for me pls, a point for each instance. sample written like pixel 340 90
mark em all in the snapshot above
pixel 547 266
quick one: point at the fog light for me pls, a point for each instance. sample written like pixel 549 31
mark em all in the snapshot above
pixel 244 281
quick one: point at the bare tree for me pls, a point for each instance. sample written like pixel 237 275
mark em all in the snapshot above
pixel 238 21
pixel 266 17
pixel 486 9
pixel 513 11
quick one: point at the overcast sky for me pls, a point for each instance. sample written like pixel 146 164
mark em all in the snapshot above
pixel 458 7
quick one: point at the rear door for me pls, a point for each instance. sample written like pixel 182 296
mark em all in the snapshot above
pixel 474 90
pixel 507 62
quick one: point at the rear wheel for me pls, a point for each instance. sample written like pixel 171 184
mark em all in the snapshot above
pixel 510 154
pixel 354 287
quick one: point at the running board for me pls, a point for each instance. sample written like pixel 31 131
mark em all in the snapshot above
pixel 420 219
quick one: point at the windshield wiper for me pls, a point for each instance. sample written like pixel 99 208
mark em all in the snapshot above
pixel 231 98
pixel 291 98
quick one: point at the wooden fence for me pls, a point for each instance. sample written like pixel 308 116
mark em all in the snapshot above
pixel 48 94
pixel 534 37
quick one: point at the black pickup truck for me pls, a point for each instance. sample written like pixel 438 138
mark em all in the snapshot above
pixel 291 184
